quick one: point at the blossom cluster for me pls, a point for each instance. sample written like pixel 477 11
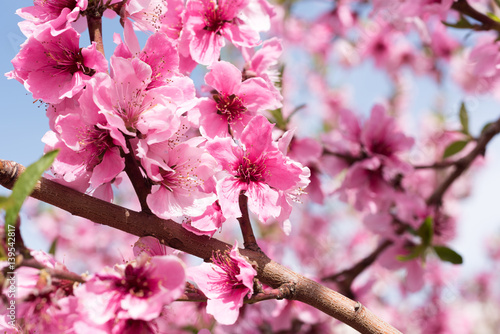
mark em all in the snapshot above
pixel 138 117
pixel 137 129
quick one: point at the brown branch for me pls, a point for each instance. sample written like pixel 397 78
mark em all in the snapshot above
pixel 463 164
pixel 285 291
pixel 462 6
pixel 249 240
pixel 95 31
pixel 141 184
pixel 345 278
pixel 437 165
pixel 174 235
pixel 348 158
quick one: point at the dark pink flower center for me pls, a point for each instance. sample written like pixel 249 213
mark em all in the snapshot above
pixel 229 267
pixel 248 171
pixel 135 282
pixel 67 59
pixel 214 18
pixel 184 178
pixel 381 147
pixel 56 6
pixel 230 106
pixel 95 142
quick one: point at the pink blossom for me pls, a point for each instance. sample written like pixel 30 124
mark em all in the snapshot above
pixel 171 23
pixel 145 15
pixel 256 168
pixel 208 223
pixel 372 152
pixel 132 107
pixel 263 63
pixel 151 246
pixel 179 174
pixel 208 22
pixel 414 280
pixel 41 295
pixel 226 282
pixel 138 290
pixel 382 139
pixel 235 102
pixel 161 54
pixel 477 70
pixel 397 11
pixel 88 153
pixel 56 13
pixel 52 67
pixel 442 44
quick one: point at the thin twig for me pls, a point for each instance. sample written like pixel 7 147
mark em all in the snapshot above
pixel 488 23
pixel 463 164
pixel 249 240
pixel 141 185
pixel 348 158
pixel 61 274
pixel 345 278
pixel 437 165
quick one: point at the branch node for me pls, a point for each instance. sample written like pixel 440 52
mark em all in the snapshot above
pixel 358 307
pixel 286 291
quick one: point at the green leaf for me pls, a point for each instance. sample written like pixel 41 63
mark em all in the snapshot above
pixel 4 202
pixel 278 119
pixel 24 186
pixel 448 254
pixel 454 148
pixel 53 246
pixel 464 119
pixel 417 251
pixel 426 232
pixel 493 17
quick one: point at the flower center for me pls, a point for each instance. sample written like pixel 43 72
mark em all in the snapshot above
pixel 94 141
pixel 229 267
pixel 231 106
pixel 66 59
pixel 131 105
pixel 213 17
pixel 248 171
pixel 183 176
pixel 56 5
pixel 135 282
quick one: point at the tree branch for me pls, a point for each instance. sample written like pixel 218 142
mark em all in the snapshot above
pixel 249 240
pixel 95 31
pixel 139 182
pixel 437 165
pixel 345 278
pixel 463 164
pixel 462 6
pixel 174 235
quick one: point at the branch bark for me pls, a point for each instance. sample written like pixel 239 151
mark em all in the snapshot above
pixel 95 31
pixel 249 240
pixel 462 6
pixel 174 235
